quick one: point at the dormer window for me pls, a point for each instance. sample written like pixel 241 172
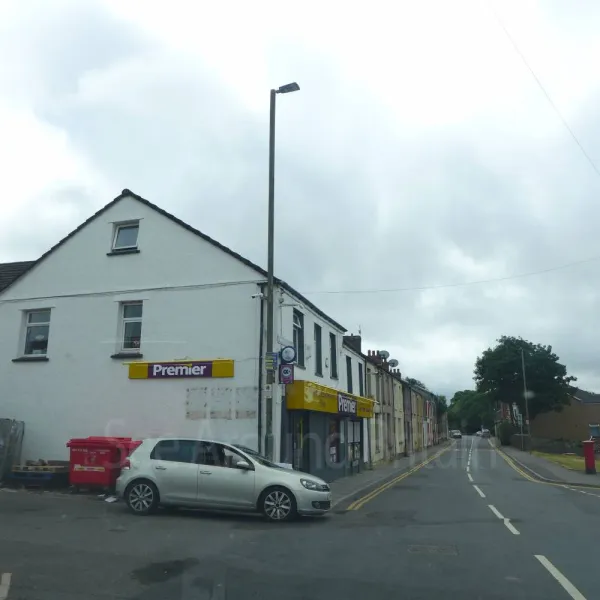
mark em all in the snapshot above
pixel 125 238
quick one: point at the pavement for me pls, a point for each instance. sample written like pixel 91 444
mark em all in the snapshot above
pixel 546 470
pixel 465 523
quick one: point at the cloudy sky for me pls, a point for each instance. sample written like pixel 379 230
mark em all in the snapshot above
pixel 419 153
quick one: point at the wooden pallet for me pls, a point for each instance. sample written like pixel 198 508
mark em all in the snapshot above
pixel 39 479
pixel 40 469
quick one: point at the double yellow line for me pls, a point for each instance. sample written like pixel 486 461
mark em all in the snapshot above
pixel 521 472
pixel 386 486
pixel 511 463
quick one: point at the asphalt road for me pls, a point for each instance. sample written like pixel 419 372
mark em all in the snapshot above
pixel 430 534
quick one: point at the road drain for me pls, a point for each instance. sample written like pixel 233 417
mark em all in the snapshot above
pixel 446 550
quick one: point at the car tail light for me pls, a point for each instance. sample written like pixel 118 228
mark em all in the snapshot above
pixel 126 465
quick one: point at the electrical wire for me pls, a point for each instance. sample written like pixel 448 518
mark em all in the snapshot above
pixel 509 277
pixel 544 90
pixel 454 285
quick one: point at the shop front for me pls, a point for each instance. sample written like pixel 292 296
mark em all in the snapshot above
pixel 323 430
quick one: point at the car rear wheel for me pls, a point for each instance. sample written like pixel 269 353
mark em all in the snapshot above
pixel 142 497
pixel 278 504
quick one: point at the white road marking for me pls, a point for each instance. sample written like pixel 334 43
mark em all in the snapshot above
pixel 495 511
pixel 506 521
pixel 4 585
pixel 479 491
pixel 582 492
pixel 468 468
pixel 566 584
pixel 470 477
pixel 511 527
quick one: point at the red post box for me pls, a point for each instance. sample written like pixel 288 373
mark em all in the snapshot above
pixel 589 457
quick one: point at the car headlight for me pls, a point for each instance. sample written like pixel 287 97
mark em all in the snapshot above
pixel 309 484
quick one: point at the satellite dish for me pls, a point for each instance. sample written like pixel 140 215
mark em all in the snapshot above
pixel 393 363
pixel 384 354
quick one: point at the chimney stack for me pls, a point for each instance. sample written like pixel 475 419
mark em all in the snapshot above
pixel 354 341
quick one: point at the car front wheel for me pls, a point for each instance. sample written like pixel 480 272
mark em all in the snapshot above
pixel 278 504
pixel 142 497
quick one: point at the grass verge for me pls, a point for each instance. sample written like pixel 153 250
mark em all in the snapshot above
pixel 568 461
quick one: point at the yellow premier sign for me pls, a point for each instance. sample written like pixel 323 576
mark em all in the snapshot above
pixel 306 395
pixel 183 369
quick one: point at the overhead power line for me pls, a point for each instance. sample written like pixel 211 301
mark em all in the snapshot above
pixel 454 285
pixel 544 90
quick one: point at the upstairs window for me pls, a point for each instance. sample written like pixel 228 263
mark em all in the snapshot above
pixel 333 369
pixel 37 330
pixel 318 350
pixel 125 236
pixel 299 337
pixel 349 374
pixel 361 380
pixel 131 326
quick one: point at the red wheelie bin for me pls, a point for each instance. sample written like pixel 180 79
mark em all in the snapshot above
pixel 95 462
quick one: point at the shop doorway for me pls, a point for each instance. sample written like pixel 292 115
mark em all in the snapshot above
pixel 300 446
pixel 354 446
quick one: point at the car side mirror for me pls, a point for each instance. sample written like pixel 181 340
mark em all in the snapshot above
pixel 242 464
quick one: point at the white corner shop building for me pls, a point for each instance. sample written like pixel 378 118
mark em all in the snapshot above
pixel 138 325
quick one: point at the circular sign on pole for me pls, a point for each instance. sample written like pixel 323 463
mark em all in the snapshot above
pixel 286 371
pixel 288 354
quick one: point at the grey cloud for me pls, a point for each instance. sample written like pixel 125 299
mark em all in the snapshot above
pixel 172 132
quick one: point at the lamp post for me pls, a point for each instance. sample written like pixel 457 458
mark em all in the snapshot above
pixel 284 89
pixel 526 395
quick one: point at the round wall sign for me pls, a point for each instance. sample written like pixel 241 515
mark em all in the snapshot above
pixel 288 354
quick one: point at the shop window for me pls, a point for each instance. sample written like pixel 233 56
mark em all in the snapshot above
pixel 333 356
pixel 37 330
pixel 131 326
pixel 299 337
pixel 349 373
pixel 334 440
pixel 361 380
pixel 125 236
pixel 318 350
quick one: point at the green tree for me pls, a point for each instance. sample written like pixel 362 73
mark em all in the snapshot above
pixel 499 374
pixel 416 383
pixel 470 410
pixel 441 405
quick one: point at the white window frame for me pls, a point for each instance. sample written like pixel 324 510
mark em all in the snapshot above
pixel 124 225
pixel 122 321
pixel 299 330
pixel 27 325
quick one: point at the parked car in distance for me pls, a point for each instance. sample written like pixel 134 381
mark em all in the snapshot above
pixel 456 434
pixel 215 475
pixel 485 433
pixel 478 434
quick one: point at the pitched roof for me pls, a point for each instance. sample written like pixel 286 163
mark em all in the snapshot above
pixel 585 397
pixel 19 272
pixel 9 272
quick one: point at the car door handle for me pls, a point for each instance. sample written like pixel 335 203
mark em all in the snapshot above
pixel 205 472
pixel 159 468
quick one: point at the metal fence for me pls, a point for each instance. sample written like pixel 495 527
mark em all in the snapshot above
pixel 11 442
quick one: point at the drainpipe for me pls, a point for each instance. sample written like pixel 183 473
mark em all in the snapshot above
pixel 260 371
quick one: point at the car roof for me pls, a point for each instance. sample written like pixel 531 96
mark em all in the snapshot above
pixel 176 438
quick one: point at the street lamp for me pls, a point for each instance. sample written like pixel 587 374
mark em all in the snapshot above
pixel 284 89
pixel 526 396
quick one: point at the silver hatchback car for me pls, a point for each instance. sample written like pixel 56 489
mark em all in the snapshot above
pixel 215 475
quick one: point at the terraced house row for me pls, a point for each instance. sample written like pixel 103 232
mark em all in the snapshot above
pixel 136 324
